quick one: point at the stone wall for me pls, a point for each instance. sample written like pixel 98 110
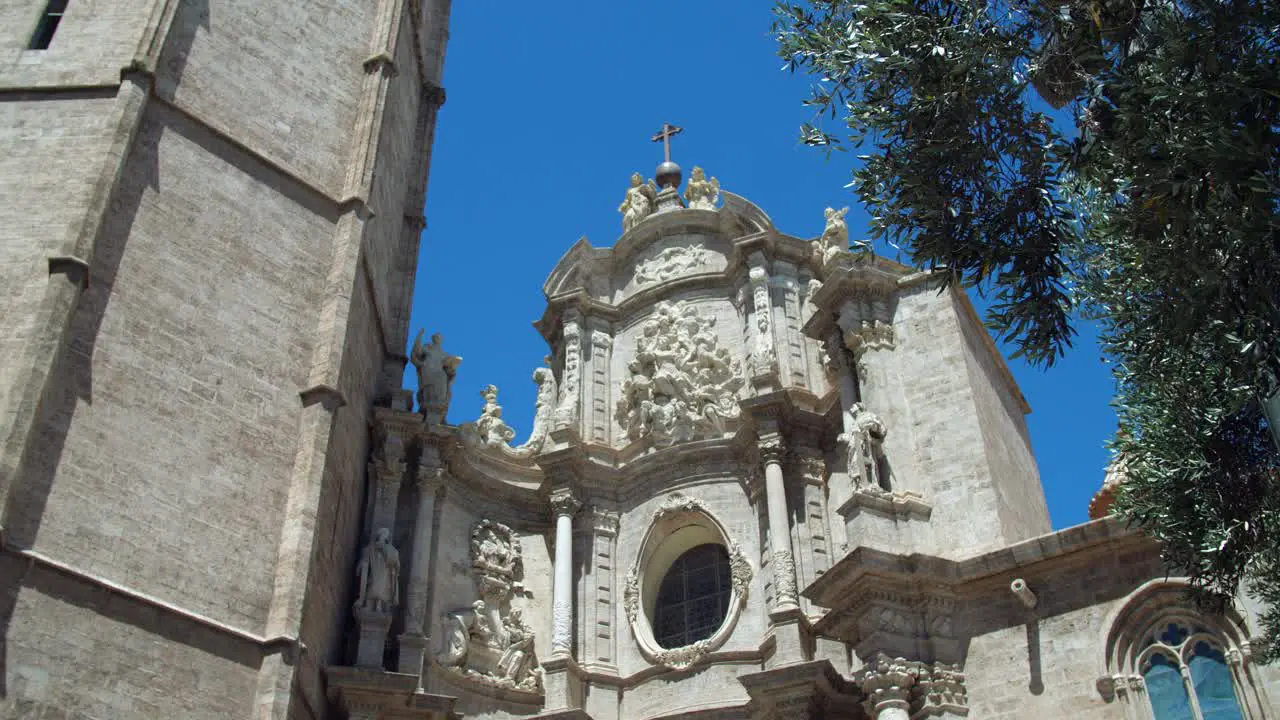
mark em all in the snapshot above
pixel 204 434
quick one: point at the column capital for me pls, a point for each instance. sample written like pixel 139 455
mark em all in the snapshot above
pixel 772 448
pixel 563 502
pixel 887 683
pixel 431 480
pixel 940 689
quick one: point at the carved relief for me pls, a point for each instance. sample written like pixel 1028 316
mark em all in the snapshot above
pixel 682 384
pixel 631 595
pixel 784 578
pixel 571 378
pixel 765 357
pixel 673 262
pixel 489 642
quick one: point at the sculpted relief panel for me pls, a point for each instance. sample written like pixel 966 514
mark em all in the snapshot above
pixel 490 642
pixel 681 385
pixel 674 262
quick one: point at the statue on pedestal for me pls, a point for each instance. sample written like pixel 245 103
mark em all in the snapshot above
pixel 835 237
pixel 700 193
pixel 436 370
pixel 379 575
pixel 639 202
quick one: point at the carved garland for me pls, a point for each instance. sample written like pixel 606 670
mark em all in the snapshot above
pixel 740 574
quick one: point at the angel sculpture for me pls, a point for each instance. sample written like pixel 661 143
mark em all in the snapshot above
pixel 702 194
pixel 436 370
pixel 639 202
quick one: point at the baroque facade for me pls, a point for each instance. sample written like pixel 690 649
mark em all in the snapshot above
pixel 768 477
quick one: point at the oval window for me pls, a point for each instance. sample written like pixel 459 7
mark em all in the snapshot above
pixel 693 599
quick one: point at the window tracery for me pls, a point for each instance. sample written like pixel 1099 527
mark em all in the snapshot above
pixel 1166 661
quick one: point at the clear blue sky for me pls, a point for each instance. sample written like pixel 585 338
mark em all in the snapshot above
pixel 550 109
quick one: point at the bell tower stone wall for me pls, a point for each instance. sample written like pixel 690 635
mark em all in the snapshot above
pixel 207 255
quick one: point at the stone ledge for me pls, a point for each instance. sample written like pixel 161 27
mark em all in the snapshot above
pixel 899 506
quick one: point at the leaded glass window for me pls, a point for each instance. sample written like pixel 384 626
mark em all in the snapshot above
pixel 1187 677
pixel 693 598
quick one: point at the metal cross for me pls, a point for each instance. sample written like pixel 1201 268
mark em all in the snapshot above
pixel 668 130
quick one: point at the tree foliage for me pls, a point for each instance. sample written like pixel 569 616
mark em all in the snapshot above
pixel 1118 158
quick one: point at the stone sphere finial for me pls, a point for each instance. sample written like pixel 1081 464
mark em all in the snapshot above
pixel 668 175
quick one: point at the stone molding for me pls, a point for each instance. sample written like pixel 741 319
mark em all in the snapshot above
pixel 904 505
pixel 675 508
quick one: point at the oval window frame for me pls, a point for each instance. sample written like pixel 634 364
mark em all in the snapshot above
pixel 680 524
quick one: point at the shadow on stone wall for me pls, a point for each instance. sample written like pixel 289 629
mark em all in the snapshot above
pixel 70 381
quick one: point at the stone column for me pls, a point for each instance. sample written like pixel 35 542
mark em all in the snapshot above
pixel 887 684
pixel 564 504
pixel 413 642
pixel 784 565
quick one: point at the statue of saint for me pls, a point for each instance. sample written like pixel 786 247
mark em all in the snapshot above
pixel 436 370
pixel 379 574
pixel 702 194
pixel 639 202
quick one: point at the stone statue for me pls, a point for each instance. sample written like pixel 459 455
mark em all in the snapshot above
pixel 544 407
pixel 863 444
pixel 379 574
pixel 682 384
pixel 492 428
pixel 639 202
pixel 436 370
pixel 835 237
pixel 491 431
pixel 702 194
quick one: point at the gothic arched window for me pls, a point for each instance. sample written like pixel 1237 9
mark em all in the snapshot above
pixel 1173 663
pixel 1186 674
pixel 693 598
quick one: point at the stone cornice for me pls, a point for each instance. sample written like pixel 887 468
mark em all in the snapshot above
pixel 925 586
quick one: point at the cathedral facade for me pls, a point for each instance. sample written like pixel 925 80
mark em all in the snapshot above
pixel 768 478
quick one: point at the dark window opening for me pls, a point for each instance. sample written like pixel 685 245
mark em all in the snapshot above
pixel 693 599
pixel 48 25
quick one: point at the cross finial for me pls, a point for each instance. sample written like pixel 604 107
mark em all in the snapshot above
pixel 668 130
